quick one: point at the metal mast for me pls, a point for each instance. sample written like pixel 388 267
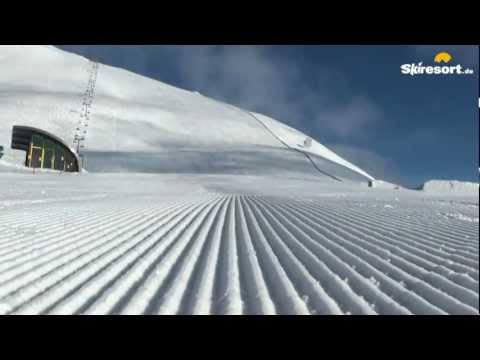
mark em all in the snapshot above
pixel 85 111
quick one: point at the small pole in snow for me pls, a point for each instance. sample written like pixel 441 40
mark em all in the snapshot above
pixel 307 142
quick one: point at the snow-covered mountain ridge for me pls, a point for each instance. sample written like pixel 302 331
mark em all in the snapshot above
pixel 143 125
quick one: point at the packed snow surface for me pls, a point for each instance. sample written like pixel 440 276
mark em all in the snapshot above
pixel 228 244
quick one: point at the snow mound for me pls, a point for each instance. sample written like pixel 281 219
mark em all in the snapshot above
pixel 450 186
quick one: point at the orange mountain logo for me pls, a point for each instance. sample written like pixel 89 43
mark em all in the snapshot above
pixel 443 57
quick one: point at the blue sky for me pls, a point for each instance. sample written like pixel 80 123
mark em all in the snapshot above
pixel 351 98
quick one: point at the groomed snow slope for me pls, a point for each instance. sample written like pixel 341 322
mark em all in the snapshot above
pixel 141 125
pixel 191 244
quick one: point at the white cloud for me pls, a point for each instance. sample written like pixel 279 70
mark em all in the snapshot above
pixel 255 78
pixel 245 75
pixel 347 120
pixel 378 166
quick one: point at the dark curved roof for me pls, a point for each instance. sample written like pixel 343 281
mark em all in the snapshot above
pixel 19 140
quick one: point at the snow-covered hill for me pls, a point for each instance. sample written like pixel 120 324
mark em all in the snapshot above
pixel 142 125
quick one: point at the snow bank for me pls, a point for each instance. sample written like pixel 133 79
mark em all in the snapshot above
pixel 450 186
